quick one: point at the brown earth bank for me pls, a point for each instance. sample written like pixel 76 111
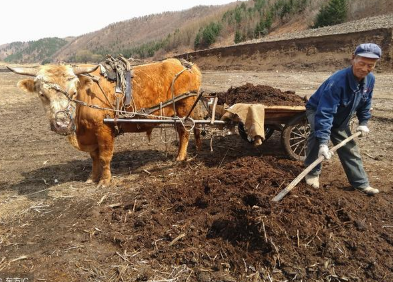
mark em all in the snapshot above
pixel 325 52
pixel 210 218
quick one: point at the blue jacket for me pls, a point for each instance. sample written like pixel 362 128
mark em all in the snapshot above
pixel 338 99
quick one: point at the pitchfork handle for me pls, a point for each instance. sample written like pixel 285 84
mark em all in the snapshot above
pixel 310 167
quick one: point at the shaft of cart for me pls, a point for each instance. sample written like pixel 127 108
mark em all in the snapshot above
pixel 163 121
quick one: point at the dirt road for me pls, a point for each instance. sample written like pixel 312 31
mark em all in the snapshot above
pixel 208 219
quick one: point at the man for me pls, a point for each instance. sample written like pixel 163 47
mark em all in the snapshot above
pixel 329 110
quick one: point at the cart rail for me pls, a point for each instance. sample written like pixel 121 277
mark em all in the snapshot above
pixel 161 121
pixel 290 120
pixel 282 114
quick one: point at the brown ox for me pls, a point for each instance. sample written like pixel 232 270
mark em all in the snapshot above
pixel 151 85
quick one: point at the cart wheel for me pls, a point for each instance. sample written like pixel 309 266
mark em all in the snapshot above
pixel 242 132
pixel 294 138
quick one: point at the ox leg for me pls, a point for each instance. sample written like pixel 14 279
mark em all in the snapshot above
pixel 184 136
pixel 105 146
pixel 148 134
pixel 96 169
pixel 197 137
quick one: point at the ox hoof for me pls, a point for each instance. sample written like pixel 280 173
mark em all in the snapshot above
pixel 103 183
pixel 89 181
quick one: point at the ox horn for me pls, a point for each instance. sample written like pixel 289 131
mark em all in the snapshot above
pixel 82 70
pixel 24 71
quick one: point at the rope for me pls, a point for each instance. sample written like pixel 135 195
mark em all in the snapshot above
pixel 172 89
pixel 163 129
pixel 106 97
pixel 126 114
pixel 189 118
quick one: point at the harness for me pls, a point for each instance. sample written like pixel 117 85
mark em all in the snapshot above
pixel 119 71
pixel 120 106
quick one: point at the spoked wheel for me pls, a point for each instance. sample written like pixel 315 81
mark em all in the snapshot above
pixel 243 134
pixel 294 138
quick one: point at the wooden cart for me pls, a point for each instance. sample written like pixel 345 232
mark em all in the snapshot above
pixel 291 121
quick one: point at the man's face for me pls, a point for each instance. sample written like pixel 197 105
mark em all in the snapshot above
pixel 362 66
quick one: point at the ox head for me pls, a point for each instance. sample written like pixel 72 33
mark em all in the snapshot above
pixel 55 85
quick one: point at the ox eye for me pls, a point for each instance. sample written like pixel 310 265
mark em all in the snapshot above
pixel 42 96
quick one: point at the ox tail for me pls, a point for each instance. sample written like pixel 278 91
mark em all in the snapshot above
pixel 73 141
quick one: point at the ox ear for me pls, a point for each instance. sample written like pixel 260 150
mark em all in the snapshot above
pixel 27 85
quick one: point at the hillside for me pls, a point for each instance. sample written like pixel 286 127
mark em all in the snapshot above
pixel 171 33
pixel 33 51
pixel 121 37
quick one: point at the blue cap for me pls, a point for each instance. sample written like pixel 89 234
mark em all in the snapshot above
pixel 368 50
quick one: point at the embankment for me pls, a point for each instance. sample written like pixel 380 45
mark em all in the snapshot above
pixel 320 53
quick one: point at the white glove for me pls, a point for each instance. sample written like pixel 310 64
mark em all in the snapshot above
pixel 324 151
pixel 363 129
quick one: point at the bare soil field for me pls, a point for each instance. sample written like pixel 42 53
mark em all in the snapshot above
pixel 210 218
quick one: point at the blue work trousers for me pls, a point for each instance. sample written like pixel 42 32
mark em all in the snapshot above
pixel 349 154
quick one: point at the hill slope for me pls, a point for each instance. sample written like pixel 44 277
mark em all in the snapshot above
pixel 120 37
pixel 171 33
pixel 33 51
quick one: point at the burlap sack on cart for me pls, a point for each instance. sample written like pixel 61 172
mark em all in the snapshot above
pixel 253 118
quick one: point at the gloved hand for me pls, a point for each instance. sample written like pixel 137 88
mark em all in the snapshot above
pixel 324 151
pixel 363 129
